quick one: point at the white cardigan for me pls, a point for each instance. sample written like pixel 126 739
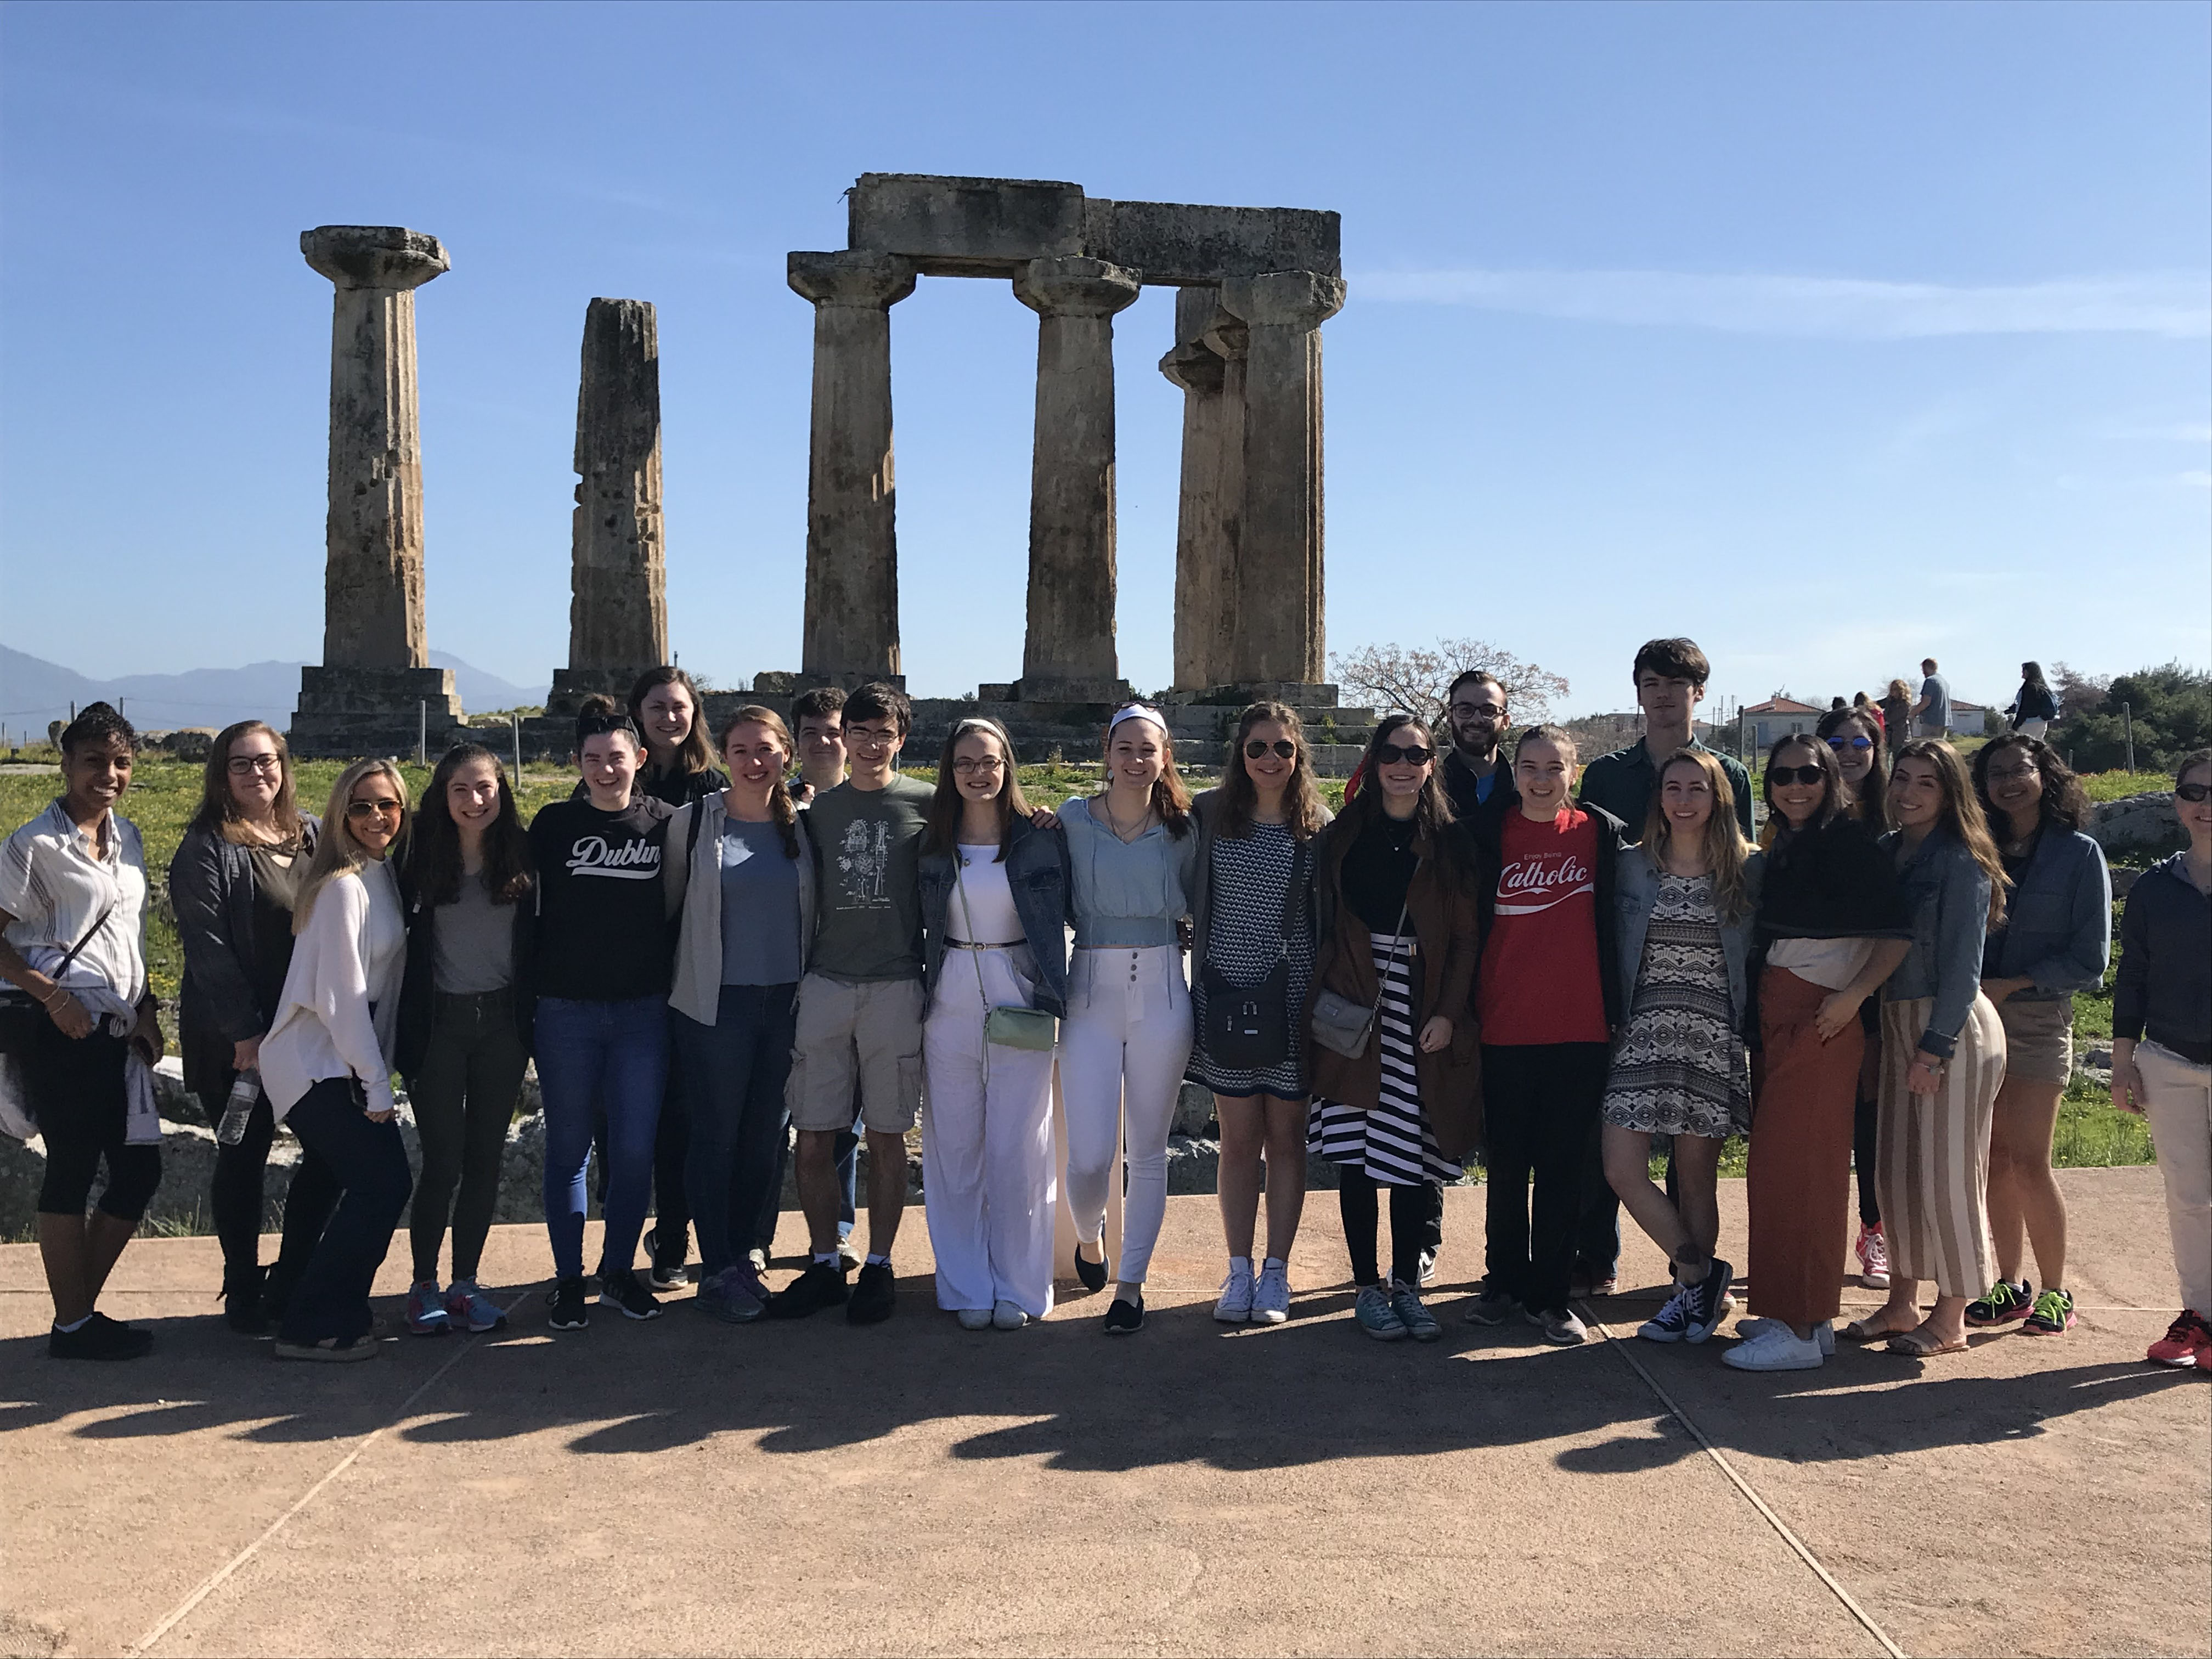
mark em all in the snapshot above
pixel 341 1002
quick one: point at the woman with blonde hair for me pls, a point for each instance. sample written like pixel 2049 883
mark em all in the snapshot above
pixel 1896 708
pixel 1133 867
pixel 1943 1055
pixel 1684 905
pixel 326 1061
pixel 1254 936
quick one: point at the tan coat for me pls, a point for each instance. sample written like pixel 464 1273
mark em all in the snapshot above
pixel 1443 917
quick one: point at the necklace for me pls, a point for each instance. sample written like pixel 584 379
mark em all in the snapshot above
pixel 1125 836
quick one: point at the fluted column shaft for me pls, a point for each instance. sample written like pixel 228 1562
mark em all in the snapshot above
pixel 373 609
pixel 851 629
pixel 618 603
pixel 1208 364
pixel 1280 631
pixel 1069 651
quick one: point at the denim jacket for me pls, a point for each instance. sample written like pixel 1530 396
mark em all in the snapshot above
pixel 1037 873
pixel 1636 894
pixel 2058 920
pixel 1948 894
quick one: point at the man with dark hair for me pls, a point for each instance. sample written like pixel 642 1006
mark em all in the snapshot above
pixel 858 1014
pixel 1477 783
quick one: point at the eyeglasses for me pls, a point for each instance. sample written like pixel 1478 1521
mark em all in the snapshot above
pixel 985 763
pixel 373 809
pixel 859 737
pixel 1490 711
pixel 246 765
pixel 1794 774
pixel 2191 793
pixel 1283 747
pixel 1410 754
pixel 2011 773
pixel 1841 743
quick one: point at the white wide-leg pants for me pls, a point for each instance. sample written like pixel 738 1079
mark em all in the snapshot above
pixel 1123 1049
pixel 989 1190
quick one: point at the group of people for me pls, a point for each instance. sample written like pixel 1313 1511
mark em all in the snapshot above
pixel 781 948
pixel 2033 711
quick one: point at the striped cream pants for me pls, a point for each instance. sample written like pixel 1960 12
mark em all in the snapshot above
pixel 1933 1174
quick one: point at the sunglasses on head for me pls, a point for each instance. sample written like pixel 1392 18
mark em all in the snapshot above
pixel 1409 754
pixel 2191 793
pixel 1794 774
pixel 1850 743
pixel 1283 747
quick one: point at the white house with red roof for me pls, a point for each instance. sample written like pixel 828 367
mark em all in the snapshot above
pixel 1778 717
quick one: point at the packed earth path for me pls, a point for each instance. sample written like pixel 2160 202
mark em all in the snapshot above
pixel 683 1487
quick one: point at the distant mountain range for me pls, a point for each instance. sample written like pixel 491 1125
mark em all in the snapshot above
pixel 34 691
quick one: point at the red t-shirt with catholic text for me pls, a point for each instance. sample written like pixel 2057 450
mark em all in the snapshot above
pixel 1540 973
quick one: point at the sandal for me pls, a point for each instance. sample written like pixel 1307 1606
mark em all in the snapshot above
pixel 1917 1344
pixel 1870 1330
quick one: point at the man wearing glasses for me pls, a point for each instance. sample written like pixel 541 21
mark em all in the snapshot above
pixel 1478 784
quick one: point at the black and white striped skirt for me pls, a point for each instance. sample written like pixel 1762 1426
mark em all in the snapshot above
pixel 1393 1144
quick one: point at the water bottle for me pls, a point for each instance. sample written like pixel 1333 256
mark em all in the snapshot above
pixel 237 1111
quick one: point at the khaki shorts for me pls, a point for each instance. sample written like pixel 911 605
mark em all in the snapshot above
pixel 868 1035
pixel 2038 1040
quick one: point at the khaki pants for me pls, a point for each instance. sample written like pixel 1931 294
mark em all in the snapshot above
pixel 2179 1103
pixel 867 1036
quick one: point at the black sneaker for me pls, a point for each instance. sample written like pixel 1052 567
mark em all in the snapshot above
pixel 242 1309
pixel 1493 1307
pixel 99 1338
pixel 1125 1316
pixel 820 1287
pixel 625 1290
pixel 668 1273
pixel 1706 1298
pixel 2003 1304
pixel 571 1312
pixel 874 1297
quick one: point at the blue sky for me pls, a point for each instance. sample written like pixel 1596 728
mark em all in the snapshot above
pixel 1833 335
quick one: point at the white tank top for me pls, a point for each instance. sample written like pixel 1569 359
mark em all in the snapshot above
pixel 982 909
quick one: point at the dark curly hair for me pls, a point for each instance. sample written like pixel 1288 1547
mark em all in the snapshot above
pixel 98 723
pixel 2065 803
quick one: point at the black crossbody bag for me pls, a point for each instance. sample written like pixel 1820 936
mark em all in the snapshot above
pixel 21 1013
pixel 1247 1029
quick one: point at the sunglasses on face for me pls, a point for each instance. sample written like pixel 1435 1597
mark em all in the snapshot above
pixel 1794 774
pixel 1841 743
pixel 1282 748
pixel 2191 793
pixel 1410 754
pixel 373 809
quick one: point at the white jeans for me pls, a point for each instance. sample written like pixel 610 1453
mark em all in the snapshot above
pixel 2179 1104
pixel 1122 1050
pixel 988 1183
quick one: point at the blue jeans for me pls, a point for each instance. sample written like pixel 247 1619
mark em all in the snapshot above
pixel 593 1058
pixel 733 1078
pixel 332 1299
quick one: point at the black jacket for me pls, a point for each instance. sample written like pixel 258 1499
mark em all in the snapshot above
pixel 1461 787
pixel 418 990
pixel 212 891
pixel 2164 986
pixel 1489 836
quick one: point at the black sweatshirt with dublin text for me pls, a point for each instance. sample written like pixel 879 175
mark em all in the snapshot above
pixel 602 933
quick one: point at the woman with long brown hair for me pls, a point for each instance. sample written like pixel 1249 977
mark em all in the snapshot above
pixel 1685 903
pixel 1253 944
pixel 1133 867
pixel 1398 929
pixel 1943 1055
pixel 232 884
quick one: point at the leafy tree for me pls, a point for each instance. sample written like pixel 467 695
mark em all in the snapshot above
pixel 1418 680
pixel 2170 708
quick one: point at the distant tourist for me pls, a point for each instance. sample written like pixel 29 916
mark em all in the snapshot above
pixel 858 1017
pixel 1127 1036
pixel 1933 711
pixel 2162 1048
pixel 994 908
pixel 1832 926
pixel 1896 718
pixel 1253 946
pixel 326 1062
pixel 1943 1051
pixel 742 882
pixel 233 882
pixel 599 969
pixel 1399 936
pixel 2034 706
pixel 466 1019
pixel 73 909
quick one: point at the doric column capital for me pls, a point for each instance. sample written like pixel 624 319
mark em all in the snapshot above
pixel 874 281
pixel 1076 287
pixel 373 256
pixel 1193 368
pixel 1284 299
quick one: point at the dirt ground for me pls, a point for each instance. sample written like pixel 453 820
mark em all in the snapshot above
pixel 684 1487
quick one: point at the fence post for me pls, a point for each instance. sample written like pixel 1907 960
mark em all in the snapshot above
pixel 422 733
pixel 515 715
pixel 2128 727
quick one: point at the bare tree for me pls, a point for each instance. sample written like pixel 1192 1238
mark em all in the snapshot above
pixel 1418 680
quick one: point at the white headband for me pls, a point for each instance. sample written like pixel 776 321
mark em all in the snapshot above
pixel 1137 711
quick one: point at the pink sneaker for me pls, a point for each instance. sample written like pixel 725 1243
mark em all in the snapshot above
pixel 1874 1258
pixel 2187 1342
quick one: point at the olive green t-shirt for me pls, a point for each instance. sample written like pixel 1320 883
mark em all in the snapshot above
pixel 867 845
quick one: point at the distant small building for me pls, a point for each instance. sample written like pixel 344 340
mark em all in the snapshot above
pixel 1778 717
pixel 1968 720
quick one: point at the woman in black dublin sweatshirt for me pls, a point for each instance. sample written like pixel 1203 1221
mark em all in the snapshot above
pixel 601 969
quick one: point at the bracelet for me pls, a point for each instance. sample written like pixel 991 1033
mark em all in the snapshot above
pixel 47 1003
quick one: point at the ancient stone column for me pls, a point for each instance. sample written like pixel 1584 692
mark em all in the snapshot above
pixel 1208 364
pixel 618 602
pixel 1279 631
pixel 374 689
pixel 1068 655
pixel 852 542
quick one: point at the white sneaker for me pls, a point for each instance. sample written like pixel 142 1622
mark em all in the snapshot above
pixel 973 1319
pixel 1236 1304
pixel 1824 1332
pixel 1776 1348
pixel 1271 1297
pixel 1009 1317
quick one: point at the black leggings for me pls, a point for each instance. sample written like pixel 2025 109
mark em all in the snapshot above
pixel 1416 1213
pixel 1867 1113
pixel 76 1091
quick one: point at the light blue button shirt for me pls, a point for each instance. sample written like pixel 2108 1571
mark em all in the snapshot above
pixel 1127 894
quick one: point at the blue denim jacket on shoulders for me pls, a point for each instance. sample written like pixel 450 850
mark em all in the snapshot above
pixel 1036 871
pixel 1948 894
pixel 1637 895
pixel 2058 920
